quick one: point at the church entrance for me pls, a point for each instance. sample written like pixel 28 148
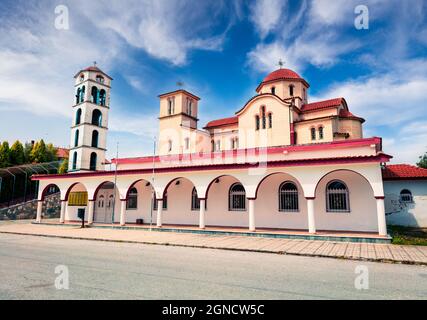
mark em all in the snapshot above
pixel 104 204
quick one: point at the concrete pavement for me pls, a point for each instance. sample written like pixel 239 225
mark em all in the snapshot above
pixel 354 251
pixel 111 270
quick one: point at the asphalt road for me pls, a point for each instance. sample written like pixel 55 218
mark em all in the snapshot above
pixel 105 270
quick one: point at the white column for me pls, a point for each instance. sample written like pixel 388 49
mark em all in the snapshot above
pixel 159 212
pixel 202 214
pixel 310 211
pixel 62 214
pixel 91 209
pixel 123 212
pixel 39 211
pixel 382 225
pixel 251 214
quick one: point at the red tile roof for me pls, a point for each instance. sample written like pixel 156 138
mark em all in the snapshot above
pixel 62 153
pixel 93 69
pixel 403 172
pixel 347 114
pixel 322 104
pixel 222 122
pixel 281 74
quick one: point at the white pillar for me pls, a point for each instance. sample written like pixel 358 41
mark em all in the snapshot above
pixel 39 211
pixel 382 225
pixel 202 214
pixel 251 214
pixel 310 211
pixel 91 209
pixel 159 212
pixel 62 214
pixel 123 212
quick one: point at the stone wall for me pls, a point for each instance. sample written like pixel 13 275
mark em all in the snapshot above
pixel 28 210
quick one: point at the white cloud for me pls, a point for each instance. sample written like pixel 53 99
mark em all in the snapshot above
pixel 266 14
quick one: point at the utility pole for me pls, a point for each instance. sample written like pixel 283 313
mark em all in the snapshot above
pixel 153 196
pixel 115 184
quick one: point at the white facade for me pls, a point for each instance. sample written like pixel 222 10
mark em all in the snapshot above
pixel 405 212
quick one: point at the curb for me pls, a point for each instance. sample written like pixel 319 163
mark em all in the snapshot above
pixel 408 262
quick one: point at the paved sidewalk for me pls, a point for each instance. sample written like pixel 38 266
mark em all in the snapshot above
pixel 317 248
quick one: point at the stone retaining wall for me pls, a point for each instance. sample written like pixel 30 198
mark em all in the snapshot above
pixel 28 210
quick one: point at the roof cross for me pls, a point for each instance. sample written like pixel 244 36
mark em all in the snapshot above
pixel 281 63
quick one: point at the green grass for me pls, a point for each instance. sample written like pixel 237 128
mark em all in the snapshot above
pixel 408 235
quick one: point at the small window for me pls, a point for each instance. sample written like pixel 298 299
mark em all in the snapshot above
pixel 97 118
pixel 165 203
pixel 406 196
pixel 273 90
pixel 132 202
pixel 100 79
pixel 82 77
pixel 320 132
pixel 218 146
pixel 78 116
pixel 337 197
pixel 195 201
pixel 237 198
pixel 291 90
pixel 257 122
pixel 187 143
pixel 76 138
pixel 313 133
pixel 270 120
pixel 263 117
pixel 213 146
pixel 102 97
pixel 93 160
pixel 95 138
pixel 95 95
pixel 288 197
pixel 74 166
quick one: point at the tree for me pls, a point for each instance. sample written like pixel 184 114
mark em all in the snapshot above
pixel 39 152
pixel 63 168
pixel 51 153
pixel 4 155
pixel 27 152
pixel 423 161
pixel 17 156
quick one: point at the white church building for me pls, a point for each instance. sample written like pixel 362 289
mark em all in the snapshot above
pixel 282 162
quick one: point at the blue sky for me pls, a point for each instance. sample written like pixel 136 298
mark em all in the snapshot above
pixel 221 50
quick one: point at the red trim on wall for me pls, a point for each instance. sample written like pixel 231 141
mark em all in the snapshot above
pixel 380 197
pixel 255 151
pixel 278 163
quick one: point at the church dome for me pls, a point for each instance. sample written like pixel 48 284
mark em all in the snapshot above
pixel 281 74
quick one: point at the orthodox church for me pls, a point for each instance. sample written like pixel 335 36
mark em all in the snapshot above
pixel 282 162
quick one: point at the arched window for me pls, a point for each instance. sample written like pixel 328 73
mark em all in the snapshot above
pixel 93 158
pixel 291 90
pixel 257 122
pixel 273 90
pixel 213 146
pixel 76 138
pixel 189 106
pixel 195 201
pixel 82 77
pixel 74 161
pixel 94 95
pixel 218 146
pixel 406 196
pixel 320 132
pixel 313 133
pixel 78 116
pixel 237 198
pixel 102 96
pixel 100 79
pixel 264 121
pixel 82 94
pixel 171 106
pixel 78 96
pixel 337 199
pixel 97 117
pixel 187 143
pixel 95 136
pixel 270 120
pixel 132 201
pixel 288 197
pixel 165 202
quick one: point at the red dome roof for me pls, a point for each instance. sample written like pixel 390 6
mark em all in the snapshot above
pixel 281 74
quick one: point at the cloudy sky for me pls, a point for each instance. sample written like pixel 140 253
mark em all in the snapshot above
pixel 220 50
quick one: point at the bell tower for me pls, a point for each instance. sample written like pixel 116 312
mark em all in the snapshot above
pixel 90 120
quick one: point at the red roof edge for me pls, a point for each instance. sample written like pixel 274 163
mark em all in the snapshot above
pixel 403 172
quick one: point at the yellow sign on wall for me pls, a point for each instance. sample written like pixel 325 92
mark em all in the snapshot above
pixel 77 199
